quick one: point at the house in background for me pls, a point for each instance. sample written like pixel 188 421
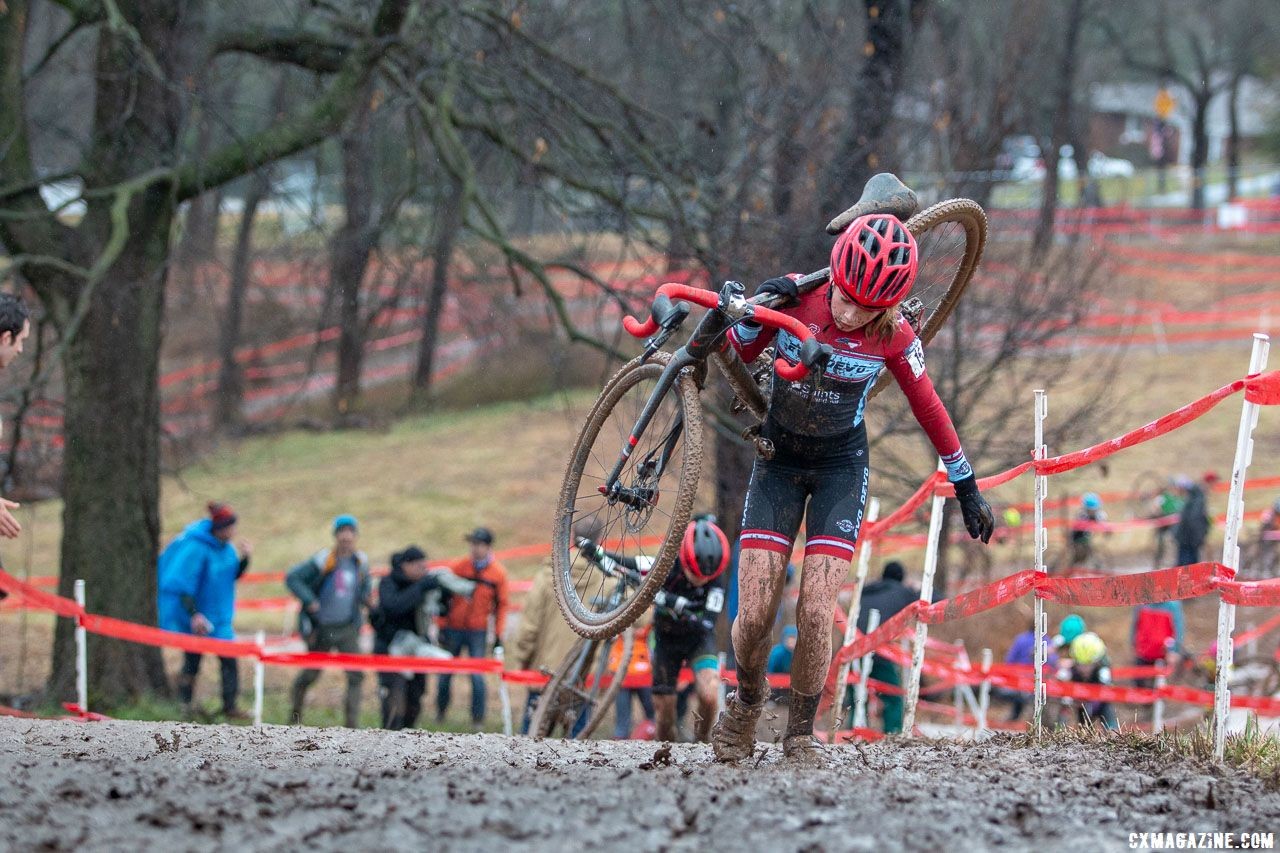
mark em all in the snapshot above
pixel 1124 122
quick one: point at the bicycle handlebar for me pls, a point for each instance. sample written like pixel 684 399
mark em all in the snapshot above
pixel 811 352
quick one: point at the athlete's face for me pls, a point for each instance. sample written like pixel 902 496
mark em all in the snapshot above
pixel 849 315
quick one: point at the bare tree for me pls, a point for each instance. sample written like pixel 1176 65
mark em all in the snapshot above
pixel 101 280
pixel 1177 41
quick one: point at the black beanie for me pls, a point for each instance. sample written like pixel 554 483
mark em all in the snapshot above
pixel 408 555
pixel 893 571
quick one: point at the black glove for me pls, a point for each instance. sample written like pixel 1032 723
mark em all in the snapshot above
pixel 978 518
pixel 780 286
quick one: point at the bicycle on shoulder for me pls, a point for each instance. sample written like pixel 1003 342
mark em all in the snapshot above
pixel 634 468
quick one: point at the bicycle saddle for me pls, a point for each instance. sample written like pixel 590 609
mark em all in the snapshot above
pixel 884 193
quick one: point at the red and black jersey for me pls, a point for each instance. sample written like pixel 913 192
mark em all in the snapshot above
pixel 834 403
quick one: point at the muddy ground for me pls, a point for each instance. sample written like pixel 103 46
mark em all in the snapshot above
pixel 123 785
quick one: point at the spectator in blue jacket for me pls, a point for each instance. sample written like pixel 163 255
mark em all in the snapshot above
pixel 197 595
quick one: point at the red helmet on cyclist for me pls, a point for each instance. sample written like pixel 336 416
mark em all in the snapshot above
pixel 704 551
pixel 875 260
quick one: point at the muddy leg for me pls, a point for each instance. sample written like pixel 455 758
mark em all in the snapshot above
pixel 708 689
pixel 664 706
pixel 761 576
pixel 815 613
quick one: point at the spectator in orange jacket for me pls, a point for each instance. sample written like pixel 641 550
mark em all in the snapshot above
pixel 466 625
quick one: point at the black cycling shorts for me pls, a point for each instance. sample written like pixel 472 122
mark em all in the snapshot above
pixel 673 649
pixel 831 476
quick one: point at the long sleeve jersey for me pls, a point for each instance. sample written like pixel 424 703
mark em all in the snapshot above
pixel 835 403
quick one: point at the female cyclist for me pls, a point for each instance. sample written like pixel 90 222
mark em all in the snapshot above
pixel 820 440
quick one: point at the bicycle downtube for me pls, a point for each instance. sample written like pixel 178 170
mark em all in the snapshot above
pixel 678 362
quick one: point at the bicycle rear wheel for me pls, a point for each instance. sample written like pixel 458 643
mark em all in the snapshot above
pixel 662 467
pixel 951 236
pixel 585 683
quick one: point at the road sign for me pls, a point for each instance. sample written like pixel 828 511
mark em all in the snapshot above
pixel 1164 104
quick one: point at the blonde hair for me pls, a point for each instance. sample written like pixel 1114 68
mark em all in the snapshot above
pixel 884 324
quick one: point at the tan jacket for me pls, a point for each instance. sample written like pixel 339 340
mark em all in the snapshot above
pixel 542 638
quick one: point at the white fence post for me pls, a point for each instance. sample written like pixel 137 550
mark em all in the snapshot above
pixel 504 693
pixel 851 618
pixel 1038 545
pixel 1231 551
pixel 984 692
pixel 864 674
pixel 1157 712
pixel 82 655
pixel 926 595
pixel 259 678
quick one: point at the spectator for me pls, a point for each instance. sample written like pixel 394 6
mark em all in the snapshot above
pixel 542 638
pixel 889 595
pixel 332 585
pixel 1166 505
pixel 197 595
pixel 15 326
pixel 1193 521
pixel 780 654
pixel 466 624
pixel 1090 515
pixel 1071 627
pixel 1023 653
pixel 401 622
pixel 1157 635
pixel 1090 664
pixel 639 669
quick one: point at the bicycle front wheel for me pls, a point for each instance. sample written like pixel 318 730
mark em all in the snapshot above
pixel 951 236
pixel 659 478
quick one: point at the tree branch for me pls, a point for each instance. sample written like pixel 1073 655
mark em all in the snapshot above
pixel 308 50
pixel 322 118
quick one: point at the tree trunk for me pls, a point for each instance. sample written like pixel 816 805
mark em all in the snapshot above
pixel 1199 146
pixel 1233 139
pixel 111 476
pixel 352 247
pixel 230 375
pixel 1062 115
pixel 863 152
pixel 450 217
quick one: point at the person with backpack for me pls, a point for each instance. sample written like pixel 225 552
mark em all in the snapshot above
pixel 890 595
pixel 333 585
pixel 409 599
pixel 1157 635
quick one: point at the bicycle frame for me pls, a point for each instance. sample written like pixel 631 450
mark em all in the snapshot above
pixel 730 307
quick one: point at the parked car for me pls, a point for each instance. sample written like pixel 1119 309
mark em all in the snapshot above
pixel 1031 167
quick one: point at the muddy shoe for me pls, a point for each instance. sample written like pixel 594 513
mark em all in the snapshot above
pixel 236 715
pixel 733 737
pixel 804 751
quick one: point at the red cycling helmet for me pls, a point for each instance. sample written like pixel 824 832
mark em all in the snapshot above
pixel 704 551
pixel 875 260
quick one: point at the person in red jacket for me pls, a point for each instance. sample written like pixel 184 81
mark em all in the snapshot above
pixel 820 467
pixel 466 626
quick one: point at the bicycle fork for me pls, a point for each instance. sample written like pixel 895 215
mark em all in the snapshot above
pixel 641 495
